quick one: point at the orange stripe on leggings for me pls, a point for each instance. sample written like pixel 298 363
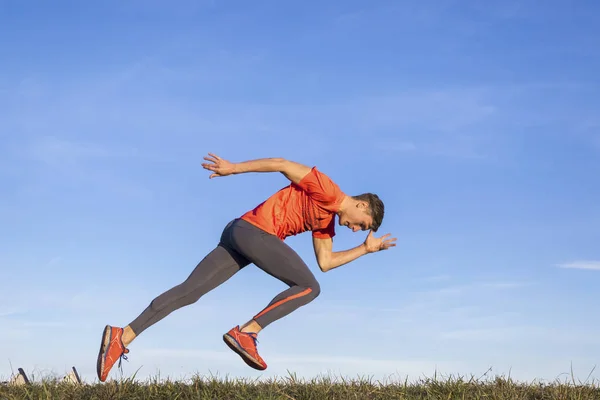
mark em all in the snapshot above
pixel 280 302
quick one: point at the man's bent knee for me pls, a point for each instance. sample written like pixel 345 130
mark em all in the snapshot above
pixel 315 290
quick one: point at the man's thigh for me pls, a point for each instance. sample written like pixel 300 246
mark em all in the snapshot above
pixel 270 254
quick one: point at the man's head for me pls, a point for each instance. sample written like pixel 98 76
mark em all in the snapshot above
pixel 362 212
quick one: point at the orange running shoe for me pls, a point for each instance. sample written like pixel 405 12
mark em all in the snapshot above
pixel 244 344
pixel 111 350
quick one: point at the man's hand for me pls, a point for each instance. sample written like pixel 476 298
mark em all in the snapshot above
pixel 373 244
pixel 292 170
pixel 219 166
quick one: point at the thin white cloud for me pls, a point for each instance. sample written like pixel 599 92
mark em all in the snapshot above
pixel 317 361
pixel 56 150
pixel 501 332
pixel 583 264
pixel 437 118
pixel 473 287
pixel 186 353
pixel 53 262
pixel 59 162
pixel 436 278
pixel 63 298
pixel 8 312
pixel 495 333
pixel 505 285
pixel 51 149
pixel 14 334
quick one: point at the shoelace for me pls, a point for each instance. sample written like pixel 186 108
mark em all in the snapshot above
pixel 253 336
pixel 123 354
pixel 123 357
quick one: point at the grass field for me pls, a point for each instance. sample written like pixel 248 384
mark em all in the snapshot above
pixel 319 388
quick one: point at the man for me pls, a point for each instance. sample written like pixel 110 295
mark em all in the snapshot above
pixel 309 203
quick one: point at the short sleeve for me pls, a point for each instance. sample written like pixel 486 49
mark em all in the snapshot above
pixel 327 232
pixel 322 189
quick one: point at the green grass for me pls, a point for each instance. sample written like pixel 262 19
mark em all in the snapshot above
pixel 318 389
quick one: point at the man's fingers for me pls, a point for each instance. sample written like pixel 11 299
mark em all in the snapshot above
pixel 216 157
pixel 386 244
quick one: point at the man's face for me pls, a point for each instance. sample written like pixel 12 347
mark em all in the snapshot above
pixel 356 218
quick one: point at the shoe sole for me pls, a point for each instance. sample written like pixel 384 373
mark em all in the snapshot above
pixel 106 338
pixel 233 345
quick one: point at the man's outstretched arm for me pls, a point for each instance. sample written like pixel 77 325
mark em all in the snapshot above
pixel 220 167
pixel 328 259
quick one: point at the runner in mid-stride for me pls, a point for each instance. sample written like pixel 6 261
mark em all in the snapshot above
pixel 309 203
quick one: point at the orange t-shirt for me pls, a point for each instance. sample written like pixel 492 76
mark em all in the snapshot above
pixel 310 205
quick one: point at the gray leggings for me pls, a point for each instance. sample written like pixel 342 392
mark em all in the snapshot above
pixel 241 244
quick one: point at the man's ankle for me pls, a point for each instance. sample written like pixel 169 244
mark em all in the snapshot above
pixel 250 327
pixel 128 336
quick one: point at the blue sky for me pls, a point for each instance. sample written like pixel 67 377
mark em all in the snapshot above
pixel 477 124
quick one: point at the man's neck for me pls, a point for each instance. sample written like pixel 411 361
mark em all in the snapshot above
pixel 345 204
